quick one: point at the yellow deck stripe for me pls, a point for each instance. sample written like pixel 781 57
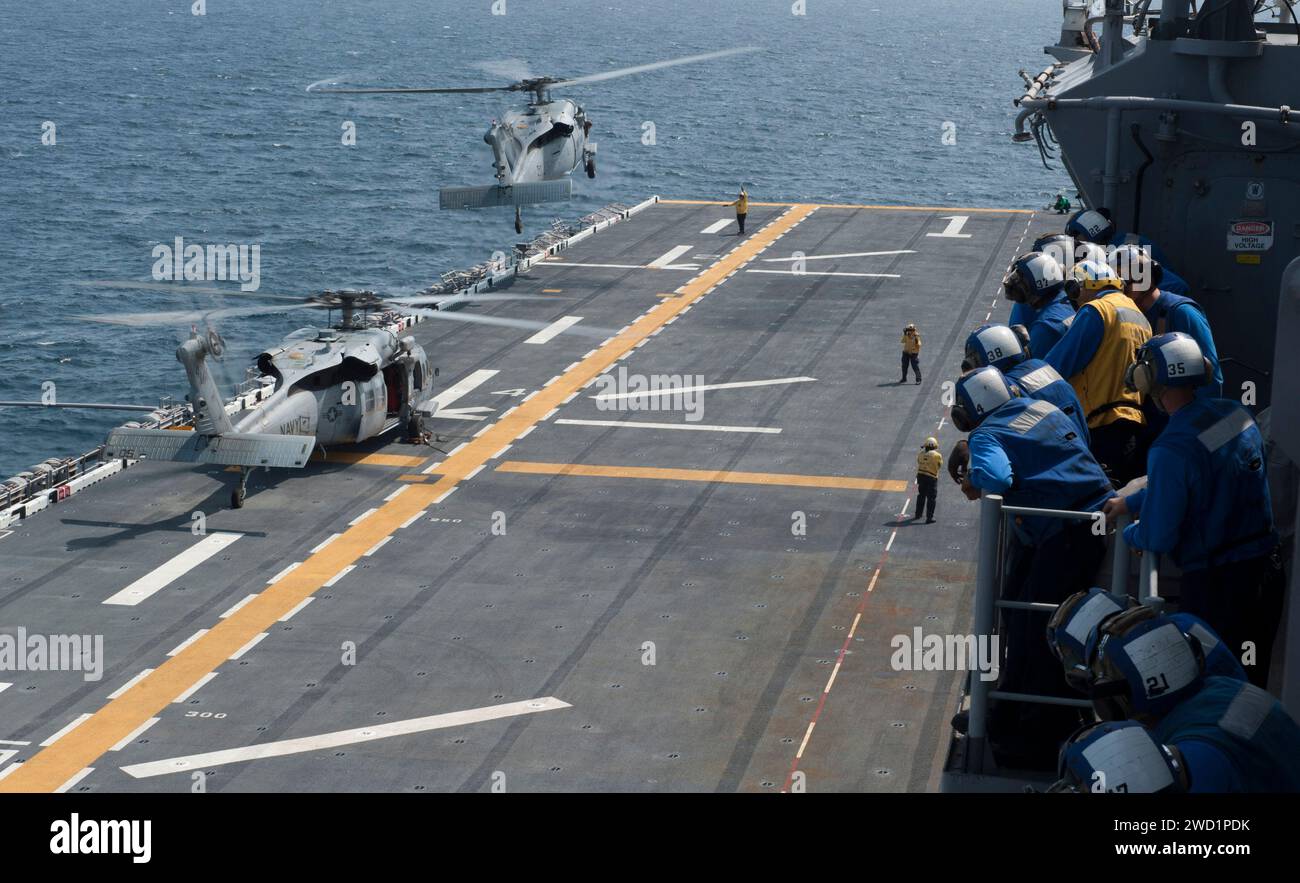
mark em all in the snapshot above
pixel 51 767
pixel 364 459
pixel 726 477
pixel 885 208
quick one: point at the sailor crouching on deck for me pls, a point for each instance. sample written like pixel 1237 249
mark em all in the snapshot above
pixel 1100 345
pixel 928 463
pixel 911 342
pixel 1207 502
pixel 1031 453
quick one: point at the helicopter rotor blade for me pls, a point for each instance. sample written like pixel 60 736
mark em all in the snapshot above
pixel 97 406
pixel 510 322
pixel 513 69
pixel 178 288
pixel 188 317
pixel 656 65
pixel 329 87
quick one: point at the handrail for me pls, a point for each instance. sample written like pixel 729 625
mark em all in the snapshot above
pixel 988 586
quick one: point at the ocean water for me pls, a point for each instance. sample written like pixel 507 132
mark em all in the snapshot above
pixel 170 124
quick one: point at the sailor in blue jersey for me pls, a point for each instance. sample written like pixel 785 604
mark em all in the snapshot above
pixel 1036 290
pixel 1030 453
pixel 1008 349
pixel 1122 757
pixel 1206 504
pixel 1146 283
pixel 1096 226
pixel 1239 737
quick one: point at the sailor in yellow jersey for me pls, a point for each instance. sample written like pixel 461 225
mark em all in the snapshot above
pixel 1094 354
pixel 742 209
pixel 928 464
pixel 911 342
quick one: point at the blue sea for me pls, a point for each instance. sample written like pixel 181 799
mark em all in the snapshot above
pixel 173 124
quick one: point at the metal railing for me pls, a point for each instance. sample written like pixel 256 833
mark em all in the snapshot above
pixel 988 585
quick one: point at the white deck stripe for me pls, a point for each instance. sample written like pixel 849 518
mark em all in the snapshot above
pixel 81 719
pixel 338 576
pixel 160 577
pixel 194 689
pixel 238 604
pixel 329 539
pixel 459 389
pixel 71 783
pixel 134 734
pixel 294 566
pixel 305 601
pixel 701 427
pixel 669 256
pixel 362 517
pixel 377 546
pixel 828 273
pixel 555 329
pixel 4 686
pixel 131 683
pixel 188 641
pixel 718 226
pixel 668 391
pixel 828 257
pixel 238 654
pixel 338 739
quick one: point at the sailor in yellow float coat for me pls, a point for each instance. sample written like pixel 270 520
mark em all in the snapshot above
pixel 911 342
pixel 928 464
pixel 742 209
pixel 1094 354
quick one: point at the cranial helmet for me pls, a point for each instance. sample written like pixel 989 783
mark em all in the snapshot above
pixel 998 345
pixel 1143 666
pixel 1032 278
pixel 979 393
pixel 1091 225
pixel 1091 277
pixel 1073 626
pixel 931 444
pixel 1173 359
pixel 1134 265
pixel 1119 757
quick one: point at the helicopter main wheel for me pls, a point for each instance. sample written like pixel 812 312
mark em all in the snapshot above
pixel 241 490
pixel 591 168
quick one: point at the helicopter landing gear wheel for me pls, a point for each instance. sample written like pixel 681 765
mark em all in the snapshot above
pixel 519 221
pixel 241 490
pixel 591 168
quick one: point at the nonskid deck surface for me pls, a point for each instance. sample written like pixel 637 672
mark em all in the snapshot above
pixel 559 604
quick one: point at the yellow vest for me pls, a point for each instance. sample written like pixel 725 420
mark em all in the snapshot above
pixel 742 205
pixel 911 344
pixel 1100 386
pixel 928 463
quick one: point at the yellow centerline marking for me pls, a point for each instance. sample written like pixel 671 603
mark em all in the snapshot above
pixel 56 765
pixel 885 208
pixel 719 475
pixel 364 459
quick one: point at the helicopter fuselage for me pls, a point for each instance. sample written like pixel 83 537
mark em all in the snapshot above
pixel 340 386
pixel 543 142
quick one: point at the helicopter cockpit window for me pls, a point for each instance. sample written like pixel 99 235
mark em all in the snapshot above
pixel 558 131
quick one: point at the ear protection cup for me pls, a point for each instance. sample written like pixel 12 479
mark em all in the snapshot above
pixel 1073 289
pixel 1138 377
pixel 961 419
pixel 1157 273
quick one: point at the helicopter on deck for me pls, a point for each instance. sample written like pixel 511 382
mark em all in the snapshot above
pixel 336 385
pixel 534 149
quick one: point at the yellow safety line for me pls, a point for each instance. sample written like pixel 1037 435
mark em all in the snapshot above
pixel 55 765
pixel 886 208
pixel 363 459
pixel 724 476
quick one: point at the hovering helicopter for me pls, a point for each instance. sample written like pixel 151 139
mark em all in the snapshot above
pixel 335 385
pixel 534 149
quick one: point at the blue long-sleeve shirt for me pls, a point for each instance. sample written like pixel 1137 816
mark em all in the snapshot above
pixel 1191 321
pixel 1078 345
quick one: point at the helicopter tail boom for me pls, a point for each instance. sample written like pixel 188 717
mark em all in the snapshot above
pixel 498 195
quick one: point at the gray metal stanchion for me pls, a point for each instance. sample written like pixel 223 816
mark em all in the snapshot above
pixel 986 593
pixel 1119 563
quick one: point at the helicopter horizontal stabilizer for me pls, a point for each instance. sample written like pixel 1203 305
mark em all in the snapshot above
pixel 498 195
pixel 231 449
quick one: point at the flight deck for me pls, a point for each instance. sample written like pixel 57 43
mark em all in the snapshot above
pixel 588 587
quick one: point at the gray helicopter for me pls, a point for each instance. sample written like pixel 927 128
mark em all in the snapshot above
pixel 337 385
pixel 534 149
